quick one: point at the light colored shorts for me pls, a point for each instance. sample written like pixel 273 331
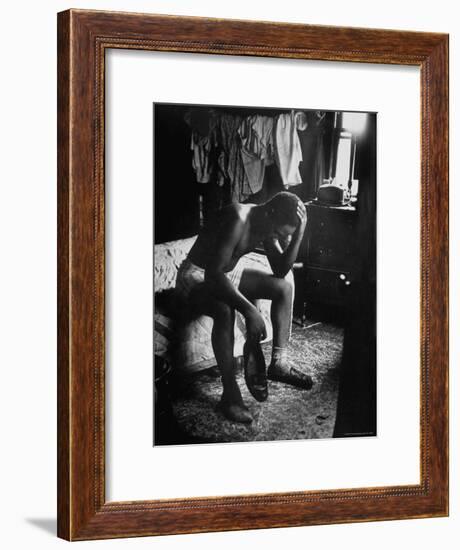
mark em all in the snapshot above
pixel 190 275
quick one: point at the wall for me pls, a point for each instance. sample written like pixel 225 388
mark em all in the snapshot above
pixel 27 290
pixel 176 206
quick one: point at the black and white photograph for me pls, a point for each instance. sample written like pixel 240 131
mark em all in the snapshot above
pixel 228 294
pixel 264 274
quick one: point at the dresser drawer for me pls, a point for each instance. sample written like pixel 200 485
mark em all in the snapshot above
pixel 327 285
pixel 334 256
pixel 330 240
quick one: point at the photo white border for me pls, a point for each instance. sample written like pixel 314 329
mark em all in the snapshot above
pixel 135 470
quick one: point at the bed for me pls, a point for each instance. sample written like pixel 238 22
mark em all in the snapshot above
pixel 187 346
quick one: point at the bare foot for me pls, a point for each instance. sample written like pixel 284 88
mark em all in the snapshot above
pixel 236 412
pixel 282 372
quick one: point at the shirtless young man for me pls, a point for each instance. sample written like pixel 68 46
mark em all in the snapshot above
pixel 215 285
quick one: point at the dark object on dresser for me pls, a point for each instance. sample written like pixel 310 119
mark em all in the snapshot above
pixel 333 195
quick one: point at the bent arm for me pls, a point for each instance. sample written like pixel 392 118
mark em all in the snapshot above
pixel 221 287
pixel 281 261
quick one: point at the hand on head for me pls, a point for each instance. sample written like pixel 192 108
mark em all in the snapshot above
pixel 301 213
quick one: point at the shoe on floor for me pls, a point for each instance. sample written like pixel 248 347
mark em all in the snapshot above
pixel 289 375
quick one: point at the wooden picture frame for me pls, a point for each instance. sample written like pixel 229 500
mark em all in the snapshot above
pixel 83 38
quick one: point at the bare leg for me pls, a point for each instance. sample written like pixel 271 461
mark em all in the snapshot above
pixel 255 285
pixel 222 338
pixel 280 313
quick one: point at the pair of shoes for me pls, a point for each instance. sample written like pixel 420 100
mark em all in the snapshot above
pixel 289 375
pixel 235 412
pixel 255 374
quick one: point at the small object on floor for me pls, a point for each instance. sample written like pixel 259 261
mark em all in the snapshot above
pixel 235 412
pixel 255 374
pixel 312 325
pixel 289 375
pixel 321 418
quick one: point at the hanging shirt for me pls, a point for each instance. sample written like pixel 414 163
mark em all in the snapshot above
pixel 201 149
pixel 256 133
pixel 288 152
pixel 231 167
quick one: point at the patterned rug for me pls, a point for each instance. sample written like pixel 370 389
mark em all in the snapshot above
pixel 289 413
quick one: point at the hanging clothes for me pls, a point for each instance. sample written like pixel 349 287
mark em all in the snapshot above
pixel 288 152
pixel 203 140
pixel 256 133
pixel 201 150
pixel 233 151
pixel 230 162
pixel 313 167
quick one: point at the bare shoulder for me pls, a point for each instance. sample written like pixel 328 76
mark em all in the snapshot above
pixel 236 213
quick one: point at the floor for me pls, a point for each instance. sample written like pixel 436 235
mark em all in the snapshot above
pixel 289 413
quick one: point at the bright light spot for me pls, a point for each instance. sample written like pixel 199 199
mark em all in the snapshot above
pixel 354 122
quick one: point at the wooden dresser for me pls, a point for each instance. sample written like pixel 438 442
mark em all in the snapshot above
pixel 329 255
